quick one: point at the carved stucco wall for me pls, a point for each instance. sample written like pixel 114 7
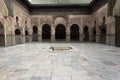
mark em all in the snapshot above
pixel 116 10
pixel 23 15
pixel 54 19
pixel 98 17
pixel 3 9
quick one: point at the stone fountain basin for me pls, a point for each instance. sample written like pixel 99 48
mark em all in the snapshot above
pixel 61 48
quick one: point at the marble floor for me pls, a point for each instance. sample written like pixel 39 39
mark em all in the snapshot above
pixel 37 61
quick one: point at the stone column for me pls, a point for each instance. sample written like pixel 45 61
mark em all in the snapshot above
pixel 39 34
pixel 108 35
pixel 81 36
pixel 98 37
pixel 13 39
pixel 112 39
pixel 53 33
pixel 108 39
pixel 39 31
pixel 68 33
pixel 30 34
pixel 90 36
pixel 9 37
pixel 23 36
pixel 4 42
pixel 13 32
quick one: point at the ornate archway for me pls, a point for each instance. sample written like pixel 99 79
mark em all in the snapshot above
pixel 74 32
pixel 60 32
pixel 3 9
pixel 46 32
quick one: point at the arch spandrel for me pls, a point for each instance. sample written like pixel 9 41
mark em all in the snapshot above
pixel 60 20
pixel 3 9
pixel 116 9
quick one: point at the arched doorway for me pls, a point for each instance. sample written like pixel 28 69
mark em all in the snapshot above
pixel 2 36
pixel 103 35
pixel 60 32
pixel 117 31
pixel 103 32
pixel 94 34
pixel 26 36
pixel 46 32
pixel 35 34
pixel 18 36
pixel 74 32
pixel 86 33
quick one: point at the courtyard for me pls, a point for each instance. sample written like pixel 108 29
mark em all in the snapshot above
pixel 37 61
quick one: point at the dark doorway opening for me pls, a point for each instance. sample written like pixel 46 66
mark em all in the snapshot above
pixel 26 36
pixel 86 34
pixel 18 36
pixel 103 32
pixel 74 32
pixel 60 32
pixel 17 32
pixel 103 36
pixel 2 36
pixel 46 32
pixel 117 31
pixel 94 34
pixel 35 34
pixel 26 33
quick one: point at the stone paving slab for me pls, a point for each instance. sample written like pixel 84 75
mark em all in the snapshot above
pixel 36 61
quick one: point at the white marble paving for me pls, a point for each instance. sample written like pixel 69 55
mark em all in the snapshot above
pixel 36 61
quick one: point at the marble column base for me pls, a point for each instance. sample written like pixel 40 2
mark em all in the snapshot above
pixel 39 38
pixel 110 39
pixel 30 38
pixel 13 40
pixel 52 38
pixel 8 41
pixel 23 39
pixel 68 39
pixel 81 38
pixel 97 38
pixel 90 38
